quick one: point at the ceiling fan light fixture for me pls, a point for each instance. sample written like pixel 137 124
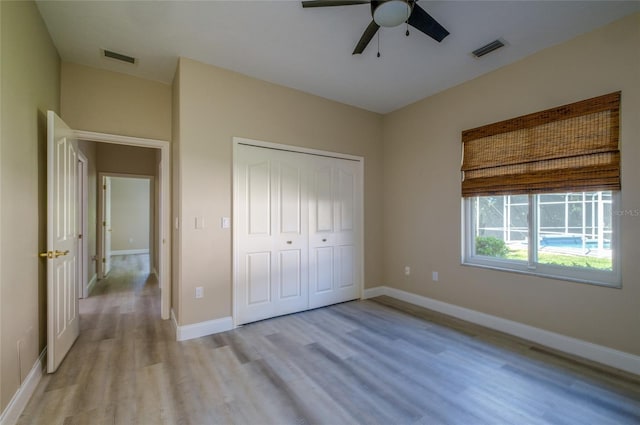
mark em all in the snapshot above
pixel 391 13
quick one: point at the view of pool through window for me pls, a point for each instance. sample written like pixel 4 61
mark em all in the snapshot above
pixel 566 229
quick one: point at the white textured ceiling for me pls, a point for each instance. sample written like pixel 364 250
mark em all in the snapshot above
pixel 310 49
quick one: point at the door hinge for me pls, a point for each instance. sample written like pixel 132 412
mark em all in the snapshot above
pixel 104 186
pixel 104 223
pixel 104 260
pixel 80 236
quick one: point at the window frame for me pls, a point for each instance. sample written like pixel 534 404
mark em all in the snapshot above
pixel 611 279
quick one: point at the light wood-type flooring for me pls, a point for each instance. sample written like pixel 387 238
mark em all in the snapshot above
pixel 367 362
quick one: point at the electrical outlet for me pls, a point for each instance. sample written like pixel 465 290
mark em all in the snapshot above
pixel 199 292
pixel 407 270
pixel 434 276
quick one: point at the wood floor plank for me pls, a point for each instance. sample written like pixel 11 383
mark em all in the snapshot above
pixel 378 361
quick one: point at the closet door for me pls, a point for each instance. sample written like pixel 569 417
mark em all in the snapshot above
pixel 272 233
pixel 334 211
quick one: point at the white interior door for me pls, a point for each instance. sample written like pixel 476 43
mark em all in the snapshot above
pixel 62 234
pixel 106 226
pixel 334 211
pixel 272 234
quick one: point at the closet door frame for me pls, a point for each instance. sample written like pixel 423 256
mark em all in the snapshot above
pixel 238 141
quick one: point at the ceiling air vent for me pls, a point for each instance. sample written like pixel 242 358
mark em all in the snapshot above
pixel 487 48
pixel 118 56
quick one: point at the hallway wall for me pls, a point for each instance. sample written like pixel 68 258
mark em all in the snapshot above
pixel 130 219
pixel 126 159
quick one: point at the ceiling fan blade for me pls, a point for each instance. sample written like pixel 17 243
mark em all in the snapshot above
pixel 366 37
pixel 422 21
pixel 328 3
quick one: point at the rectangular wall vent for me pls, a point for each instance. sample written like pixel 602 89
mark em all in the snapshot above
pixel 118 56
pixel 487 48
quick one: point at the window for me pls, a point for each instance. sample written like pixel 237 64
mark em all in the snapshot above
pixel 563 235
pixel 540 193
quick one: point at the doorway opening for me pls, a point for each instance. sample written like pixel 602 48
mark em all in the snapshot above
pixel 126 219
pixel 126 223
pixel 152 243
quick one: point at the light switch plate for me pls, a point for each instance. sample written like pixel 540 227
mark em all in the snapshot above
pixel 199 222
pixel 225 222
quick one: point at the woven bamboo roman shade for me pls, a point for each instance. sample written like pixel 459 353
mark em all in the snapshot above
pixel 571 148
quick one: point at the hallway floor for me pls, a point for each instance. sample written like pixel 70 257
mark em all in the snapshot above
pixel 108 376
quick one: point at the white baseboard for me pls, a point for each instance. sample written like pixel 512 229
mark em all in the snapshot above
pixel 201 329
pixel 129 251
pixel 16 406
pixel 92 283
pixel 577 347
pixel 374 292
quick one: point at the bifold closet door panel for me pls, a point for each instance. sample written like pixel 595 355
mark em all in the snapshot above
pixel 334 212
pixel 272 234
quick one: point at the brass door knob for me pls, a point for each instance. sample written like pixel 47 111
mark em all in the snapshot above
pixel 53 254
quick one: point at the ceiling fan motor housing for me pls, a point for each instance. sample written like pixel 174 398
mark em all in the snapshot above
pixel 391 13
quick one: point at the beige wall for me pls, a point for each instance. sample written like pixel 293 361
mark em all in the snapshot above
pixel 114 103
pixel 89 150
pixel 130 208
pixel 422 215
pixel 30 86
pixel 112 158
pixel 214 105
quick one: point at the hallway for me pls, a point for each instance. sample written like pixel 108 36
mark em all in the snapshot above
pixel 113 372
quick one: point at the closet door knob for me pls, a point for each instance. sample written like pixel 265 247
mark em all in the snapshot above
pixel 324 240
pixel 288 242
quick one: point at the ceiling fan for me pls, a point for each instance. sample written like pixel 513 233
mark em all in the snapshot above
pixel 389 13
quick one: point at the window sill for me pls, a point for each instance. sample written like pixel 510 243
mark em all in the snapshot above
pixel 615 283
